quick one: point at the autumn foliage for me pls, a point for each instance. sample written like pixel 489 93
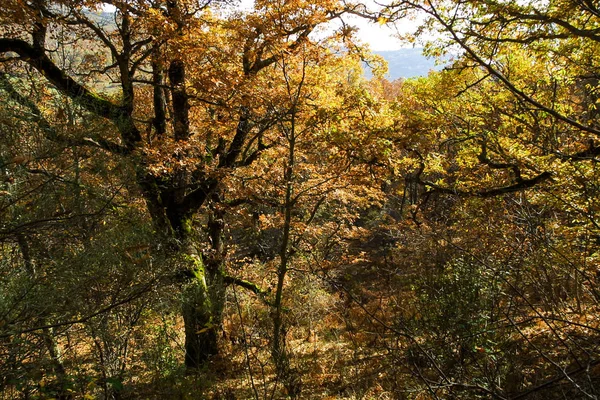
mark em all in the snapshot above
pixel 199 200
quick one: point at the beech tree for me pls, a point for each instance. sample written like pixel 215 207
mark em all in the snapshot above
pixel 182 86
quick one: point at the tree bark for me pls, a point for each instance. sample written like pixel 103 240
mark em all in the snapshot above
pixel 203 301
pixel 200 335
pixel 203 296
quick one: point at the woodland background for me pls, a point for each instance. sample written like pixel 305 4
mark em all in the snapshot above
pixel 202 202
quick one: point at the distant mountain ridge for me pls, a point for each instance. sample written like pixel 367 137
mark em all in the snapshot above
pixel 406 63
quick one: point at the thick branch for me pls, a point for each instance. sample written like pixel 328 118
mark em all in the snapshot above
pixel 197 197
pixel 254 155
pixel 58 78
pixel 260 64
pixel 254 288
pixel 68 86
pixel 160 108
pixel 49 130
pixel 484 159
pixel 523 184
pixel 181 105
pixel 237 143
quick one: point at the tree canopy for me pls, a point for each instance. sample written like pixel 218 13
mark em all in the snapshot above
pixel 198 200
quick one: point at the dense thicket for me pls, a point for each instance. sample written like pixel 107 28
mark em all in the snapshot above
pixel 198 202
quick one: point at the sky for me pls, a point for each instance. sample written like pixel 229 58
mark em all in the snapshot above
pixel 379 37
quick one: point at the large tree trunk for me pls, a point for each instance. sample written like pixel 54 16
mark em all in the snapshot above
pixel 200 335
pixel 203 300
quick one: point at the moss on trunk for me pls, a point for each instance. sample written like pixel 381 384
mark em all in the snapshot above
pixel 202 308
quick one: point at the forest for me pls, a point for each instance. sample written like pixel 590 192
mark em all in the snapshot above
pixel 205 201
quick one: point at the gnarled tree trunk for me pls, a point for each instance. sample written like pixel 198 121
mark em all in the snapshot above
pixel 203 297
pixel 200 321
pixel 202 307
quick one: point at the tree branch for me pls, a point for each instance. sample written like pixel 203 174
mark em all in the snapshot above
pixel 254 288
pixel 51 132
pixel 505 81
pixel 68 86
pixel 517 187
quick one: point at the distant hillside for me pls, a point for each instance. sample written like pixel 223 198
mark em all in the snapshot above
pixel 407 63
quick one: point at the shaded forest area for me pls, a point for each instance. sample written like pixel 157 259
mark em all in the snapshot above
pixel 198 202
